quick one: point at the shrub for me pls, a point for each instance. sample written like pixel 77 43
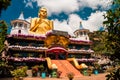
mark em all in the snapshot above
pixel 19 72
pixel 114 75
pixel 70 75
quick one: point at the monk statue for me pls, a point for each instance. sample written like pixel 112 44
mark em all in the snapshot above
pixel 41 24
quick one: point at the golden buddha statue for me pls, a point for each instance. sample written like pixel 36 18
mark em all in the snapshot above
pixel 41 24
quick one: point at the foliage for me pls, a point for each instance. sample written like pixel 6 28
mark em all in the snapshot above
pixel 3 26
pixel 99 38
pixel 4 4
pixel 5 68
pixel 2 63
pixel 16 55
pixel 41 67
pixel 96 65
pixel 59 73
pixel 19 72
pixel 112 25
pixel 3 33
pixel 114 75
pixel 5 71
pixel 70 75
pixel 35 69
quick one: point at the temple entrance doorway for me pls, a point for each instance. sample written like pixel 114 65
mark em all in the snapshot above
pixel 57 53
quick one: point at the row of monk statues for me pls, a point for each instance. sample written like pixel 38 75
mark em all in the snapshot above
pixel 41 24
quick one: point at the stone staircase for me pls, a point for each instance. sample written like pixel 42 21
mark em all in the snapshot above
pixel 65 67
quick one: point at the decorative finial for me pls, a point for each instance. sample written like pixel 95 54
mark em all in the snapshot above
pixel 81 27
pixel 80 22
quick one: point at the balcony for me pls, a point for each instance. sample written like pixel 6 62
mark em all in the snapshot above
pixel 26 48
pixel 89 51
pixel 28 59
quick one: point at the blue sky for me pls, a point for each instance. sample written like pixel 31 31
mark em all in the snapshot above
pixel 66 14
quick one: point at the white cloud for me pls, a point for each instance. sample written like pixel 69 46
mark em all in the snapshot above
pixel 94 4
pixel 29 3
pixel 93 23
pixel 69 25
pixel 74 21
pixel 68 6
pixel 62 26
pixel 58 6
pixel 28 19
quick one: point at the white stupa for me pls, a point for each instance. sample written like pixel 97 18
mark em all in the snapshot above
pixel 20 25
pixel 81 34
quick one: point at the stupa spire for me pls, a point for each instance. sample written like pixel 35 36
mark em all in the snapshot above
pixel 81 27
pixel 21 16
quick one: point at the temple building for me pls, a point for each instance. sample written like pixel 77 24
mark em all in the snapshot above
pixel 54 47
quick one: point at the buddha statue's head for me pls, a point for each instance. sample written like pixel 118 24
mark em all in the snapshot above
pixel 42 13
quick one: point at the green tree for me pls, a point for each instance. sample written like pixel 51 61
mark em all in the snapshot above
pixel 112 25
pixel 3 33
pixel 99 39
pixel 4 4
pixel 3 26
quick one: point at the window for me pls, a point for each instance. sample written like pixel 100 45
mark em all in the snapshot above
pixel 15 24
pixel 81 33
pixel 20 24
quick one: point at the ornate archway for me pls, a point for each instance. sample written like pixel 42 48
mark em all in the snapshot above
pixel 57 53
